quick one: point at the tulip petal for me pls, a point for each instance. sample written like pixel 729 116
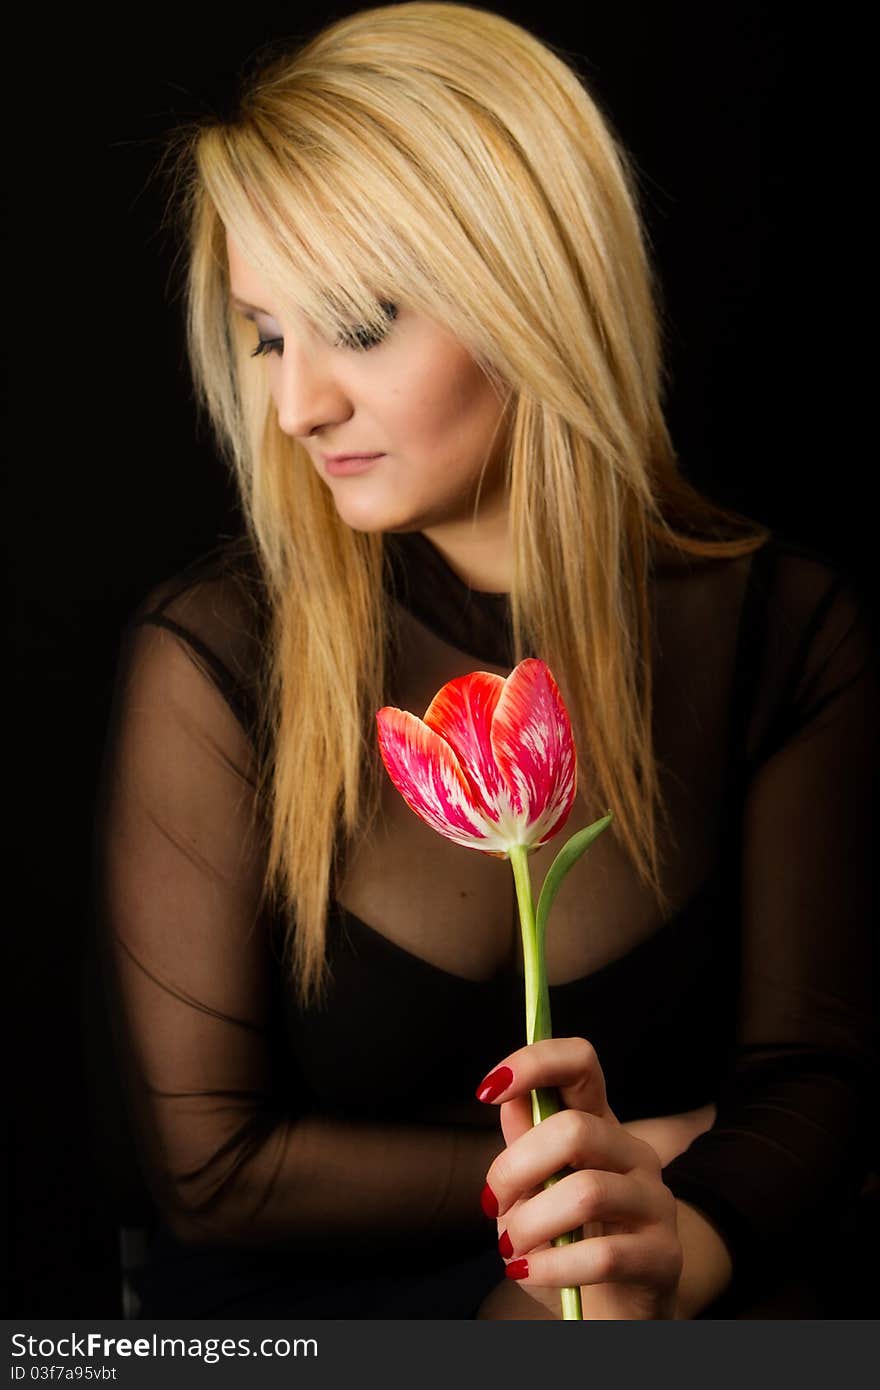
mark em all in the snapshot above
pixel 461 713
pixel 425 770
pixel 534 750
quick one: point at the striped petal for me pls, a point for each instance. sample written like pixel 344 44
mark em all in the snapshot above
pixel 461 713
pixel 534 750
pixel 426 771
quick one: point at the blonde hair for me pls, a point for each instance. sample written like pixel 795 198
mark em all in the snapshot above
pixel 441 156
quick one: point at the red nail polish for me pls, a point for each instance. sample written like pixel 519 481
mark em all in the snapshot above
pixel 517 1269
pixel 488 1201
pixel 493 1084
pixel 505 1246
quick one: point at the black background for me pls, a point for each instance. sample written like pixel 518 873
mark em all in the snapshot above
pixel 737 120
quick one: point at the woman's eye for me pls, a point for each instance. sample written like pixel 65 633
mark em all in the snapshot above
pixel 362 337
pixel 267 345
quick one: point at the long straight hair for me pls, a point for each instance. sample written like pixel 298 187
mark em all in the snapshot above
pixel 443 157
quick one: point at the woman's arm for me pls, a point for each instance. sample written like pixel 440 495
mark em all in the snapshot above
pixel 793 1136
pixel 708 1267
pixel 189 981
pixel 324 1183
pixel 428 1178
pixel 707 1264
pixel 671 1135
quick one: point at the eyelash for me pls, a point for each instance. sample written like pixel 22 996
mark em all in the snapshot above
pixel 267 345
pixel 364 338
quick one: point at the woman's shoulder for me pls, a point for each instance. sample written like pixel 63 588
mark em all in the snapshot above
pixel 809 598
pixel 215 605
pixel 785 574
pixel 785 609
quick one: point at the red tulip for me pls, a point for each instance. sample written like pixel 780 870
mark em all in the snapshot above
pixel 492 765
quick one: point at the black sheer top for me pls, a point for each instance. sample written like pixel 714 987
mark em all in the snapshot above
pixel 755 994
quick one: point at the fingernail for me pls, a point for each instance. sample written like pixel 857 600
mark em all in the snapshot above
pixel 488 1201
pixel 492 1085
pixel 505 1246
pixel 517 1269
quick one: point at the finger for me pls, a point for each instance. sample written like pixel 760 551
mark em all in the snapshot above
pixel 504 1248
pixel 582 1198
pixel 516 1118
pixel 570 1064
pixel 651 1257
pixel 570 1138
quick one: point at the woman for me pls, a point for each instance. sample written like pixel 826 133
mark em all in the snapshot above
pixel 418 239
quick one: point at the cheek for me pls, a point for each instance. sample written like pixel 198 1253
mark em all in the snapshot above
pixel 447 414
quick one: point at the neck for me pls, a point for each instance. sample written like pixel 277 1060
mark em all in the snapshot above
pixel 480 555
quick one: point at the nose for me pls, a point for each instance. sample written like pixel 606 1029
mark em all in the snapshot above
pixel 307 394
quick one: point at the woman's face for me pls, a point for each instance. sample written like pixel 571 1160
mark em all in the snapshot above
pixel 416 396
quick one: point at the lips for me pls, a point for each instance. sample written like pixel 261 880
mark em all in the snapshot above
pixel 345 458
pixel 343 467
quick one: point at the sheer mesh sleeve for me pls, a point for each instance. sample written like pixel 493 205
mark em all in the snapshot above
pixel 227 1150
pixel 795 1132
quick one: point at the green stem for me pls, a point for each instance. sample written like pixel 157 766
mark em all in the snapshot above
pixel 545 1100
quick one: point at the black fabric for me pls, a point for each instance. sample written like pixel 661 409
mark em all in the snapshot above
pixel 178 1281
pixel 262 1123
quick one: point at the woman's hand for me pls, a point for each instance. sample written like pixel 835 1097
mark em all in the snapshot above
pixel 630 1262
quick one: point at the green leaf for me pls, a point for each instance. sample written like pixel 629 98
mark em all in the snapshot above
pixel 569 854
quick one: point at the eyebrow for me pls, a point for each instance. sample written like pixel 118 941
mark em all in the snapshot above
pixel 240 304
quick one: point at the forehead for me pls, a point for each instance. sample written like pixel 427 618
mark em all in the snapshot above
pixel 245 280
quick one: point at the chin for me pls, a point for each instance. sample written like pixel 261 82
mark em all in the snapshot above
pixel 368 525
pixel 371 518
